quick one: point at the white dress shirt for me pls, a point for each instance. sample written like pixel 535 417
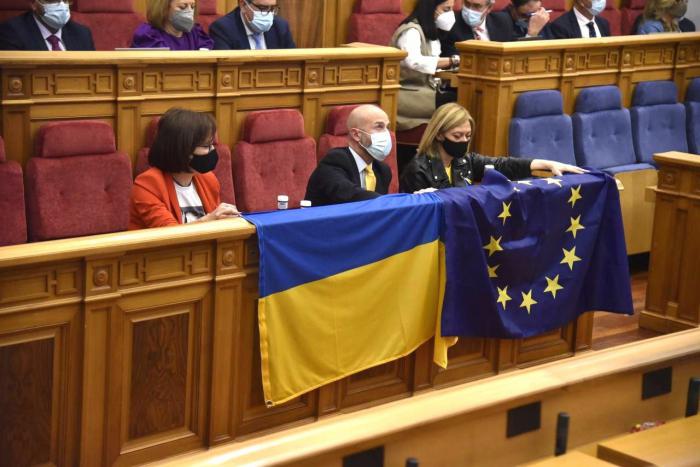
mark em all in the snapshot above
pixel 409 41
pixel 45 33
pixel 583 24
pixel 481 32
pixel 361 164
pixel 251 36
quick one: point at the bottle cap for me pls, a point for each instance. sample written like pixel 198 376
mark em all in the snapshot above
pixel 305 203
pixel 283 198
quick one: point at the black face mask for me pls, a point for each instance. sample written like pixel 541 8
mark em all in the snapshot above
pixel 204 164
pixel 455 149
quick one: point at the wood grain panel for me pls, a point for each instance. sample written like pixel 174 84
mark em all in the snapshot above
pixel 26 384
pixel 159 375
pixel 305 20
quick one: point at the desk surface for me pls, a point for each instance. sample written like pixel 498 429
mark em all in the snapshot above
pixel 570 459
pixel 674 444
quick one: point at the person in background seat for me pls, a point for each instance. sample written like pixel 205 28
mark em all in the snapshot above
pixel 582 21
pixel 444 159
pixel 171 24
pixel 180 187
pixel 527 19
pixel 254 25
pixel 664 16
pixel 475 21
pixel 46 27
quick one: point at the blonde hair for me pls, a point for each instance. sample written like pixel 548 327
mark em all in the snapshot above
pixel 158 12
pixel 657 9
pixel 444 119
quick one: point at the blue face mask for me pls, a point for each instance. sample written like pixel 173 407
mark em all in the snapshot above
pixel 597 7
pixel 56 15
pixel 471 17
pixel 261 22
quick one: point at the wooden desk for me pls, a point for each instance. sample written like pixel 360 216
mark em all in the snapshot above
pixel 674 444
pixel 570 459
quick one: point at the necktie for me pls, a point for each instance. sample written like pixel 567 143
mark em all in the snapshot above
pixel 478 31
pixel 591 29
pixel 370 179
pixel 258 41
pixel 54 41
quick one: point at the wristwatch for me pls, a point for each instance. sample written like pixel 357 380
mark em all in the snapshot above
pixel 454 60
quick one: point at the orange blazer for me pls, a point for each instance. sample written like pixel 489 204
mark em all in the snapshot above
pixel 153 201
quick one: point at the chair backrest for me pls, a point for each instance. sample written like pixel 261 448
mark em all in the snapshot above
pixel 602 129
pixel 630 13
pixel 206 13
pixel 12 8
pixel 14 223
pixel 223 170
pixel 558 8
pixel 614 18
pixel 540 128
pixel 692 109
pixel 112 22
pixel 336 136
pixel 658 120
pixel 273 158
pixel 77 181
pixel 374 21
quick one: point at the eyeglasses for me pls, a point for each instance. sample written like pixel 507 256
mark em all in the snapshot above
pixel 265 10
pixel 476 6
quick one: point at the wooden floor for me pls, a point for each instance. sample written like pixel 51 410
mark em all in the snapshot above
pixel 611 329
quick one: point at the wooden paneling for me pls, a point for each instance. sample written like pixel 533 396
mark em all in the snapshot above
pixel 673 297
pixel 129 89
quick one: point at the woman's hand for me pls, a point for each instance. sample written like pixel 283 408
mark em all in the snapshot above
pixel 557 168
pixel 223 211
pixel 424 190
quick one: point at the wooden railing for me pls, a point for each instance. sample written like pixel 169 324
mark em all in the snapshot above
pixel 135 346
pixel 492 76
pixel 128 89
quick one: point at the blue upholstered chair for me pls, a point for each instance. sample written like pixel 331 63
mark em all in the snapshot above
pixel 658 120
pixel 692 110
pixel 603 131
pixel 540 128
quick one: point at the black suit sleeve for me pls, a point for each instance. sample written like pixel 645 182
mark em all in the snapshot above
pixel 557 31
pixel 9 39
pixel 90 42
pixel 218 35
pixel 512 167
pixel 288 40
pixel 330 183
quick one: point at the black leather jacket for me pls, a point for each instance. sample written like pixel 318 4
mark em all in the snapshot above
pixel 426 172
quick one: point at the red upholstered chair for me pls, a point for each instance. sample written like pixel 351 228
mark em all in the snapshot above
pixel 630 14
pixel 336 136
pixel 558 8
pixel 222 170
pixel 274 158
pixel 206 13
pixel 374 21
pixel 14 223
pixel 614 17
pixel 77 182
pixel 112 22
pixel 12 8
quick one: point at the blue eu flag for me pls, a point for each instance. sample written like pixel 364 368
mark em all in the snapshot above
pixel 523 258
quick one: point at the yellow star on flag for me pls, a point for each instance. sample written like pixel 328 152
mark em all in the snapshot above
pixel 553 181
pixel 553 285
pixel 492 271
pixel 575 195
pixel 570 257
pixel 575 226
pixel 494 245
pixel 505 214
pixel 528 301
pixel 503 297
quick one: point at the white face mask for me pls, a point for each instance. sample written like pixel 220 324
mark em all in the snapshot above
pixel 56 15
pixel 381 145
pixel 446 20
pixel 597 7
pixel 471 17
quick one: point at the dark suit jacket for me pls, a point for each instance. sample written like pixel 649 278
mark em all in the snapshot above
pixel 686 25
pixel 566 26
pixel 516 32
pixel 498 28
pixel 336 180
pixel 229 33
pixel 22 33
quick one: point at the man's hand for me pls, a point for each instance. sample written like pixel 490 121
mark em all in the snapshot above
pixel 537 22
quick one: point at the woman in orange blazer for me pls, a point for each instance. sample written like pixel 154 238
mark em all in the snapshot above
pixel 179 188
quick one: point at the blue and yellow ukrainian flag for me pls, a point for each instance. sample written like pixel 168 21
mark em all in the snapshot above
pixel 344 288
